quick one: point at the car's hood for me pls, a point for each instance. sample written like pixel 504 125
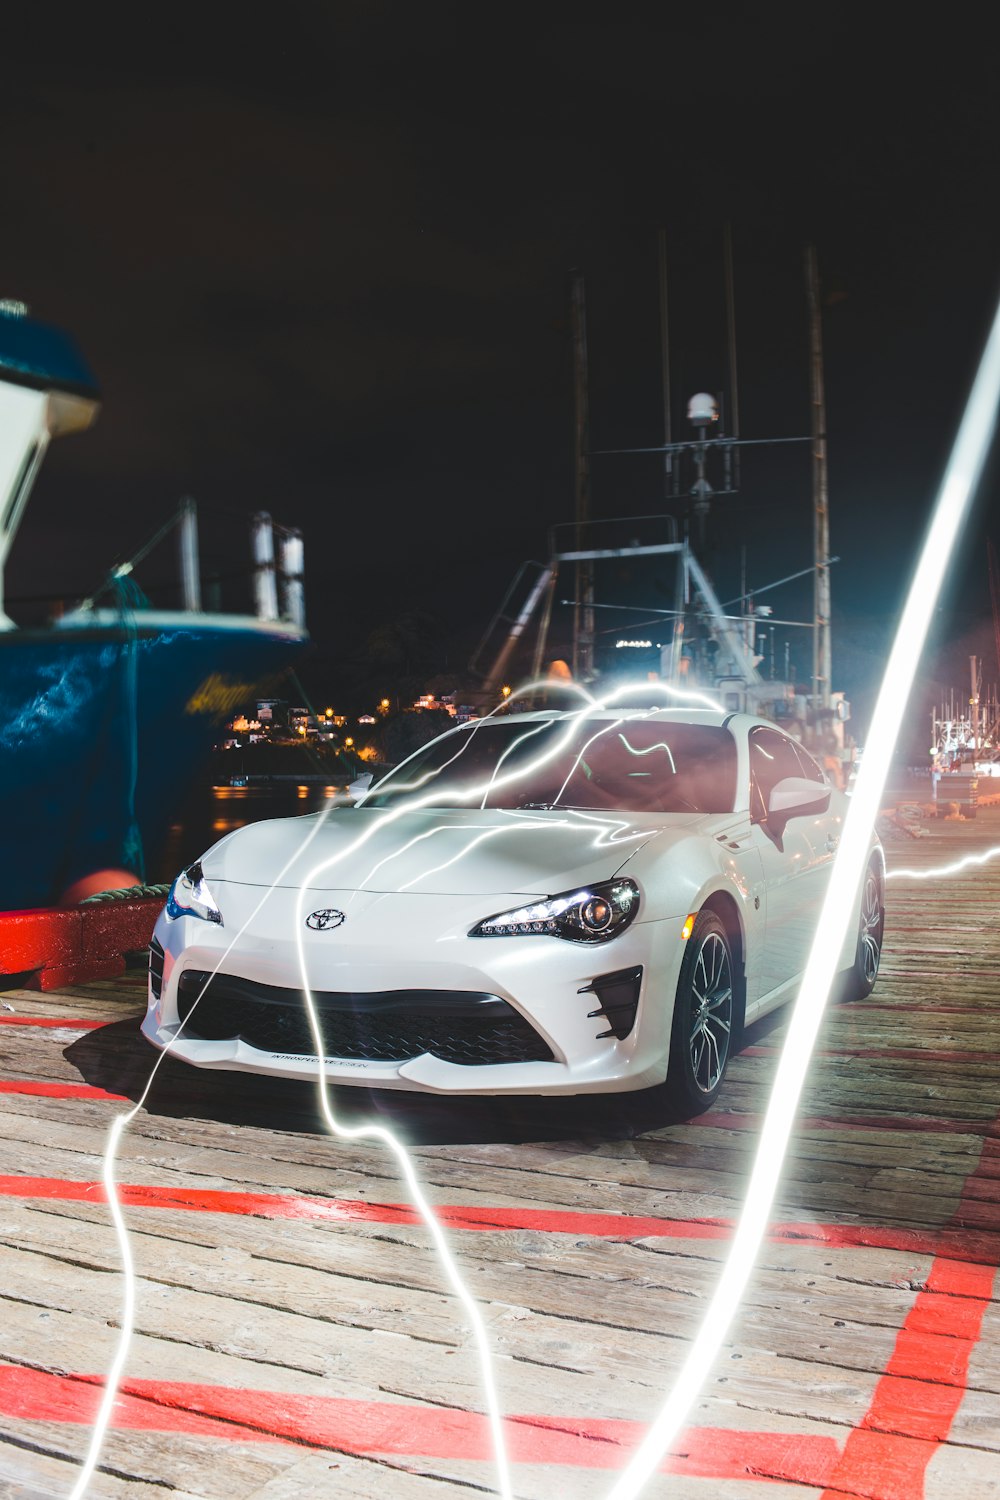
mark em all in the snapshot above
pixel 436 852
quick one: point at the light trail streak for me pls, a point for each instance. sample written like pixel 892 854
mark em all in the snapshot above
pixel 961 476
pixel 599 734
pixel 419 838
pixel 463 853
pixel 386 1137
pixel 660 745
pixel 688 696
pixel 509 750
pixel 426 1212
pixel 940 870
pixel 117 1129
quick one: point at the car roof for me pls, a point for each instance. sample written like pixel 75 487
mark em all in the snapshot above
pixel 739 724
pixel 679 715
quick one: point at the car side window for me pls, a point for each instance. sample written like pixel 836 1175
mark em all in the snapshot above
pixel 772 757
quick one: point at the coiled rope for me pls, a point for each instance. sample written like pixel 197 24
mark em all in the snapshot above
pixel 128 893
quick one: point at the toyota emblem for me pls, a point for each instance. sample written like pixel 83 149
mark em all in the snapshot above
pixel 323 921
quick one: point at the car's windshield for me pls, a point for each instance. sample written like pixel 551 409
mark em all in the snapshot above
pixel 635 765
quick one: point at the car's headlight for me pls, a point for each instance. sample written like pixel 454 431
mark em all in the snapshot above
pixel 191 897
pixel 591 914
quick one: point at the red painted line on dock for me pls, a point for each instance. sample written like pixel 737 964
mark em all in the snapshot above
pixel 58 1090
pixel 958 1243
pixel 381 1427
pixel 69 1024
pixel 918 1397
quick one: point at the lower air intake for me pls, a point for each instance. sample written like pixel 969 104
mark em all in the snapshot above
pixel 458 1026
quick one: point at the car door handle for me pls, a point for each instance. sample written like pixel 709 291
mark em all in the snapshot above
pixel 832 842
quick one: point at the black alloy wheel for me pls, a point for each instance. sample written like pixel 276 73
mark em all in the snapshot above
pixel 702 1033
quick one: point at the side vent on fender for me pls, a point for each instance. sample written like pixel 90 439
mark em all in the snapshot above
pixel 618 994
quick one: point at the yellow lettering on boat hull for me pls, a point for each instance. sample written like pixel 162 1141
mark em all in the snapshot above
pixel 218 695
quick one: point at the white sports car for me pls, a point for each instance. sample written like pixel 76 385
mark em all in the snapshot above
pixel 531 904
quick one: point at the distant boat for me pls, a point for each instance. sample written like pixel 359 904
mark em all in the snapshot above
pixel 106 714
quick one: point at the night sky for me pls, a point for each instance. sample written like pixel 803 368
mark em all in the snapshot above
pixel 319 259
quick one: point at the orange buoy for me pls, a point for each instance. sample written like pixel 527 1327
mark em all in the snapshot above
pixel 94 883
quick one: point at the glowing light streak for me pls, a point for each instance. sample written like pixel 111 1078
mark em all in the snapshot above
pixel 118 1127
pixel 660 745
pixel 418 838
pixel 605 729
pixel 616 832
pixel 528 734
pixel 940 870
pixel 380 1133
pixel 962 473
pixel 488 833
pixel 424 1208
pixel 610 830
pixel 686 696
pixel 529 688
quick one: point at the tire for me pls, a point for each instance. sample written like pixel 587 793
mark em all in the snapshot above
pixel 859 980
pixel 706 1018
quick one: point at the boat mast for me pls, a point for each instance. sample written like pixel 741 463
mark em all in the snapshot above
pixel 668 436
pixel 187 533
pixel 732 415
pixel 822 665
pixel 974 704
pixel 583 610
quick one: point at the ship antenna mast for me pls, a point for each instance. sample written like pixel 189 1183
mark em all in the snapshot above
pixel 822 665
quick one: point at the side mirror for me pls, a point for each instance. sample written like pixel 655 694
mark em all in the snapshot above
pixel 796 797
pixel 359 787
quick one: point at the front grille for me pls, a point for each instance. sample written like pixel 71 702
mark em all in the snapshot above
pixel 458 1026
pixel 156 957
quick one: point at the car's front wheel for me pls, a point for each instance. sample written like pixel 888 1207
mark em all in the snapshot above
pixel 705 1017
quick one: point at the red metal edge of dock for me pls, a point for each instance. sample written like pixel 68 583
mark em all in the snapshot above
pixel 56 946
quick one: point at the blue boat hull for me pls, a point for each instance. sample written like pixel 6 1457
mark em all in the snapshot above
pixel 102 730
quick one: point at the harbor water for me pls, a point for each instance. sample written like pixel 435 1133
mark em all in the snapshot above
pixel 213 811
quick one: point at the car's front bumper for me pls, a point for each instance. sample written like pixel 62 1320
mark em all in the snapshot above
pixel 389 943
